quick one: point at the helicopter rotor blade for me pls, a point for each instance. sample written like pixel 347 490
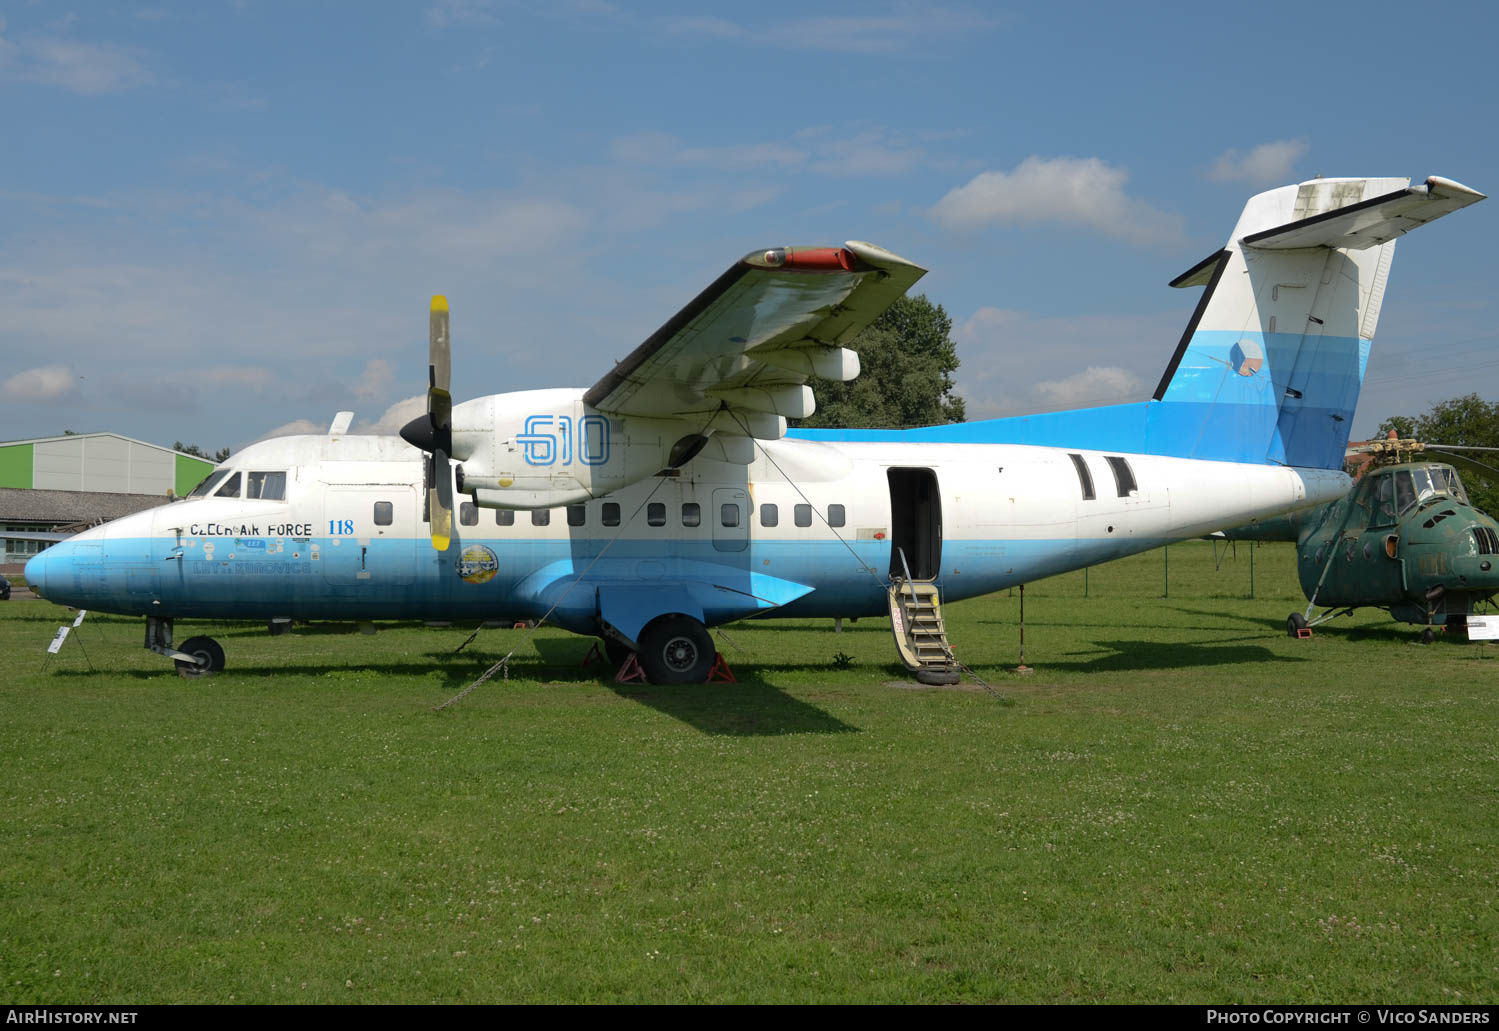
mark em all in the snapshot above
pixel 1464 464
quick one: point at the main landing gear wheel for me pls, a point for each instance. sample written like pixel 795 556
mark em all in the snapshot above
pixel 208 653
pixel 676 650
pixel 1295 623
pixel 1428 635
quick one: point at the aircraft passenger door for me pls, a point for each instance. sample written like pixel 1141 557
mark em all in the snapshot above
pixel 915 523
pixel 369 532
pixel 731 514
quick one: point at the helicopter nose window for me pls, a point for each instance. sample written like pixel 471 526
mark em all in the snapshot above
pixel 1454 485
pixel 1425 490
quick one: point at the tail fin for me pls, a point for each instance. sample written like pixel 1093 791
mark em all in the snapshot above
pixel 1271 363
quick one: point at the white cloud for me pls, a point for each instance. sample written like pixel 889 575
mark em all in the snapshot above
pixel 375 381
pixel 1079 191
pixel 1265 165
pixel 88 69
pixel 1096 384
pixel 295 428
pixel 1019 362
pixel 901 29
pixel 444 13
pixel 46 383
pixel 865 151
pixel 396 416
pixel 390 423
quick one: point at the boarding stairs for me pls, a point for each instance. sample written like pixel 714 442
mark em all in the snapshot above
pixel 920 634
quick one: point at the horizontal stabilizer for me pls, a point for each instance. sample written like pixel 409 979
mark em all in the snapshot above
pixel 1371 222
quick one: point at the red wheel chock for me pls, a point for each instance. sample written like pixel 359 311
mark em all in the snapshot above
pixel 595 654
pixel 1303 632
pixel 630 671
pixel 720 673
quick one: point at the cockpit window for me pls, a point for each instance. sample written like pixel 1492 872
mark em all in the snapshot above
pixel 267 486
pixel 205 488
pixel 1425 489
pixel 1454 485
pixel 230 489
pixel 1405 492
pixel 1384 500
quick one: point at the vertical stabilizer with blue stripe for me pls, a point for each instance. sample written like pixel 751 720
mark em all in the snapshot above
pixel 1270 366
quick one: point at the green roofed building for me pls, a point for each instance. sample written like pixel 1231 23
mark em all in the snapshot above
pixel 52 483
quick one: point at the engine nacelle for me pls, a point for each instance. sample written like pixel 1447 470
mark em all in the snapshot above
pixel 546 448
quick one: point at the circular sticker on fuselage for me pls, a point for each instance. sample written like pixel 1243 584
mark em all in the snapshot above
pixel 477 564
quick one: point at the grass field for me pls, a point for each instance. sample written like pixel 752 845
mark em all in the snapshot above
pixel 1180 805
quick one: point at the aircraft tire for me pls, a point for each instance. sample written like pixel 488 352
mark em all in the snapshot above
pixel 210 657
pixel 676 649
pixel 1295 623
pixel 1428 635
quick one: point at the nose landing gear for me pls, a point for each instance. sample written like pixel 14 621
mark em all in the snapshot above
pixel 198 656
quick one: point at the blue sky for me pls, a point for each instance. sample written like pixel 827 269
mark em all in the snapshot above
pixel 224 220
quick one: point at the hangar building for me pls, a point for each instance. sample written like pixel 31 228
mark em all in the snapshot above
pixel 83 479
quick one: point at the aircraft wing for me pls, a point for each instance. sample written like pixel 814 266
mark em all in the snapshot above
pixel 746 346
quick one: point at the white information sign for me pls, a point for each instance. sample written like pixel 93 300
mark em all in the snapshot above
pixel 1483 628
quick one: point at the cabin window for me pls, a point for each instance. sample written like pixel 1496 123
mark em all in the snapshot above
pixel 835 515
pixel 541 517
pixel 611 513
pixel 577 515
pixel 468 514
pixel 728 515
pixel 692 513
pixel 230 489
pixel 1084 477
pixel 504 517
pixel 770 515
pixel 1124 477
pixel 203 489
pixel 1405 491
pixel 385 513
pixel 802 515
pixel 267 486
pixel 655 514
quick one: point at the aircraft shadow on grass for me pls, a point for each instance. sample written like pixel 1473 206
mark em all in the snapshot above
pixel 1144 655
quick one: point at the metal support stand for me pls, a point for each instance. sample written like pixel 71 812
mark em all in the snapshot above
pixel 1022 669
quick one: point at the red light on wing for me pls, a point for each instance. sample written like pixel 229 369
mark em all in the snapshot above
pixel 820 259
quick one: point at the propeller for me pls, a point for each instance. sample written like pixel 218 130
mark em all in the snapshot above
pixel 433 432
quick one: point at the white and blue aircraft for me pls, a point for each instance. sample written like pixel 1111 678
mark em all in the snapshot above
pixel 670 496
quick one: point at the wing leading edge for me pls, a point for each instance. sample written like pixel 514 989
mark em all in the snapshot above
pixel 746 346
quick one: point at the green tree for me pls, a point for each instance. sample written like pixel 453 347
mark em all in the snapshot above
pixel 1469 421
pixel 907 358
pixel 193 449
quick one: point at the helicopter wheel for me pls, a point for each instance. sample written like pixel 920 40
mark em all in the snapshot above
pixel 1295 623
pixel 208 653
pixel 1428 635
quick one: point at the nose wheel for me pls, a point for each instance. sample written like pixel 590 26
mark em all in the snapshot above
pixel 207 658
pixel 198 656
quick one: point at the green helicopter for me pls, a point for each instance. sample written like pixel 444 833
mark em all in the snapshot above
pixel 1405 539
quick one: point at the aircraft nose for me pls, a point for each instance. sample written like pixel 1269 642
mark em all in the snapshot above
pixel 36 573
